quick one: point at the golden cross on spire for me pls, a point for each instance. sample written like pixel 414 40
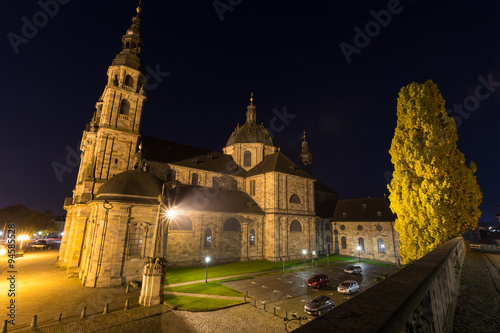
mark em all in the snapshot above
pixel 304 135
pixel 251 98
pixel 138 9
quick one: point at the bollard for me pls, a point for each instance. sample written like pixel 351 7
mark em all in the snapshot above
pixel 106 308
pixel 4 327
pixel 286 314
pixel 254 304
pixel 60 317
pixel 300 320
pixel 126 304
pixel 264 307
pixel 33 322
pixel 126 289
pixel 84 310
pixel 245 298
pixel 274 310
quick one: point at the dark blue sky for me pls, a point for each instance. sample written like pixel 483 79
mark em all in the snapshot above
pixel 287 52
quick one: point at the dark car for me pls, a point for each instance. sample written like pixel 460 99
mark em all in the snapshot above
pixel 318 280
pixel 319 305
pixel 353 269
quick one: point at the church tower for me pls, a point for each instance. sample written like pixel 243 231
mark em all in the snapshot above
pixel 305 155
pixel 110 140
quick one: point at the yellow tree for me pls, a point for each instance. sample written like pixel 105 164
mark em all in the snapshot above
pixel 433 192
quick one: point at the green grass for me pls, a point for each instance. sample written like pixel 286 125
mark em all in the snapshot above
pixel 198 303
pixel 186 274
pixel 210 288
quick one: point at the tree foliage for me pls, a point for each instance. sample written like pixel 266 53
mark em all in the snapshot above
pixel 27 221
pixel 433 192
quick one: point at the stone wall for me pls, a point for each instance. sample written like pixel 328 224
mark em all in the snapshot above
pixel 421 297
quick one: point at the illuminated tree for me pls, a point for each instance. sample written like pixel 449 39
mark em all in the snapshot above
pixel 433 192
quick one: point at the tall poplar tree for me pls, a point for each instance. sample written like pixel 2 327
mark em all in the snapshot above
pixel 433 192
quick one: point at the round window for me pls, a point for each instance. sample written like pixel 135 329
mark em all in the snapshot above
pixel 360 227
pixel 342 227
pixel 379 227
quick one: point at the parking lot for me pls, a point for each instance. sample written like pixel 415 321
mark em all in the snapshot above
pixel 287 292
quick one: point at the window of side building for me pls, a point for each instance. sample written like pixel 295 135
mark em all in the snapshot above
pixel 252 236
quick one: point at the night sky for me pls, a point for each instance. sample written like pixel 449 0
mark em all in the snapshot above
pixel 287 52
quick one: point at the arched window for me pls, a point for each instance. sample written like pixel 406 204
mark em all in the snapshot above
pixel 343 243
pixel 295 226
pixel 232 224
pixel 247 158
pixel 170 175
pixel 181 222
pixel 135 242
pixel 328 226
pixel 381 245
pixel 295 199
pixel 328 239
pixel 208 238
pixel 361 243
pixel 124 107
pixel 252 236
pixel 195 179
pixel 129 81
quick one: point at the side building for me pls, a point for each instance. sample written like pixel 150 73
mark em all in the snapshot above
pixel 365 228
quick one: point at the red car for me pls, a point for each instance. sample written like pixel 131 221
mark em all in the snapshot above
pixel 318 280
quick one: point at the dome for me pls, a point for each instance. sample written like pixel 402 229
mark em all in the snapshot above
pixel 250 132
pixel 132 182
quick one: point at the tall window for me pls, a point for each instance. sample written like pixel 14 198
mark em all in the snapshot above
pixel 170 175
pixel 295 199
pixel 343 243
pixel 361 243
pixel 247 158
pixel 135 242
pixel 208 238
pixel 252 236
pixel 328 226
pixel 232 224
pixel 124 107
pixel 129 81
pixel 181 222
pixel 295 226
pixel 195 179
pixel 381 245
pixel 328 239
pixel 215 182
pixel 251 185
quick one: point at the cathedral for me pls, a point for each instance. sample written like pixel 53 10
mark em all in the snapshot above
pixel 137 196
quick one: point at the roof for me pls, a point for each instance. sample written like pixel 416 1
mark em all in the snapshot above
pixel 166 151
pixel 250 132
pixel 213 161
pixel 132 183
pixel 363 210
pixel 199 198
pixel 280 163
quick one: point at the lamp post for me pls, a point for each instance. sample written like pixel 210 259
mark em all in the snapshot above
pixel 153 275
pixel 359 252
pixel 313 254
pixel 304 252
pixel 207 260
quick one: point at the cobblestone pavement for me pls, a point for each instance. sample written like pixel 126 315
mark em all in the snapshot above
pixel 478 308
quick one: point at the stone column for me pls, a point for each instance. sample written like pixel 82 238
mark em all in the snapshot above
pixel 153 277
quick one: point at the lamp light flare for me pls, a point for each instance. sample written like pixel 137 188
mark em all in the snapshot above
pixel 171 213
pixel 207 260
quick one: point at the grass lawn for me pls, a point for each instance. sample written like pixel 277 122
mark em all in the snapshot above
pixel 210 288
pixel 186 274
pixel 198 303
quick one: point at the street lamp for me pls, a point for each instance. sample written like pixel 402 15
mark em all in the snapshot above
pixel 207 260
pixel 313 254
pixel 22 238
pixel 359 248
pixel 304 252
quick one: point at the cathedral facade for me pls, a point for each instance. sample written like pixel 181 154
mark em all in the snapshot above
pixel 138 196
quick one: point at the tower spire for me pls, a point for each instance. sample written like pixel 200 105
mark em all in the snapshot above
pixel 251 113
pixel 305 155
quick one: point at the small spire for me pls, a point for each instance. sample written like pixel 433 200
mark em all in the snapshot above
pixel 251 114
pixel 304 135
pixel 251 98
pixel 138 9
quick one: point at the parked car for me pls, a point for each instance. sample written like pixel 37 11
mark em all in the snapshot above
pixel 348 287
pixel 353 269
pixel 319 305
pixel 318 280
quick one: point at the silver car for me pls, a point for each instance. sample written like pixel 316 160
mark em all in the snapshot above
pixel 353 269
pixel 348 287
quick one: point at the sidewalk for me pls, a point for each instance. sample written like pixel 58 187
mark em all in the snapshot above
pixel 478 308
